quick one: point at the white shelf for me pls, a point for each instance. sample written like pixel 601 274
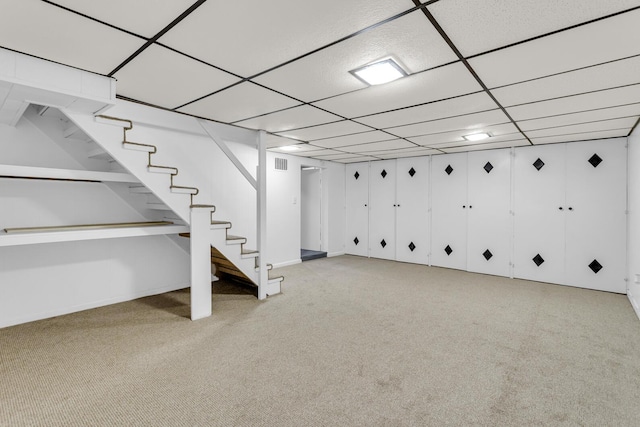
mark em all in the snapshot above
pixel 94 234
pixel 65 174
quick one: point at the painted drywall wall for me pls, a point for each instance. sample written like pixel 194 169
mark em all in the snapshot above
pixel 310 209
pixel 633 242
pixel 39 281
pixel 283 208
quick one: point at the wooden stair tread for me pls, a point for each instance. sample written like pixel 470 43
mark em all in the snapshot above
pixel 84 227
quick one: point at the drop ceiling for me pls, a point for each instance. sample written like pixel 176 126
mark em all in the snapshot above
pixel 526 72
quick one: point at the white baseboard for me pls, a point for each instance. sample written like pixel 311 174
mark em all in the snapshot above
pixel 287 263
pixel 95 304
pixel 332 254
pixel 634 303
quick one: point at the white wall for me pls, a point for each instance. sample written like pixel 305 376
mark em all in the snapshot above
pixel 39 281
pixel 310 209
pixel 633 242
pixel 283 215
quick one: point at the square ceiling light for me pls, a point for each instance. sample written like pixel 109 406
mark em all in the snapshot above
pixel 380 72
pixel 289 148
pixel 477 137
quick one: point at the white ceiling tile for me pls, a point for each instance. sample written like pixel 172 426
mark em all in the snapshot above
pixel 273 141
pixel 379 146
pixel 604 76
pixel 357 159
pixel 445 82
pixel 292 118
pixel 344 127
pixel 581 136
pixel 46 31
pixel 481 25
pixel 469 122
pixel 402 154
pixel 433 111
pixel 498 132
pixel 415 151
pixel 488 146
pixel 603 125
pixel 411 40
pixel 232 104
pixel 589 101
pixel 338 156
pixel 358 138
pixel 598 42
pixel 582 117
pixel 162 77
pixel 126 14
pixel 303 150
pixel 250 37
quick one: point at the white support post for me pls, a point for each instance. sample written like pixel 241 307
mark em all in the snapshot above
pixel 200 262
pixel 261 194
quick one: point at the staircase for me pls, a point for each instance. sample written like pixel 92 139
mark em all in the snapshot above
pixel 227 252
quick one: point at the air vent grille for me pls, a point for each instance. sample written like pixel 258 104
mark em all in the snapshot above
pixel 281 164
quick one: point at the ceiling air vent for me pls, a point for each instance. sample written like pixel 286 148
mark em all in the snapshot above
pixel 281 164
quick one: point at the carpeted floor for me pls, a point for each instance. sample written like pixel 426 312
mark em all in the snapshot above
pixel 350 342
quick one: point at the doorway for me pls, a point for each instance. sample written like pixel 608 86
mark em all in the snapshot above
pixel 311 214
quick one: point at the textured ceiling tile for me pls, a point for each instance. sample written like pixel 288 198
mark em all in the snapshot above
pixel 604 125
pixel 487 146
pixel 231 104
pixel 378 146
pixel 480 25
pixel 615 133
pixel 273 141
pixel 292 118
pixel 40 29
pixel 457 137
pixel 607 98
pixel 345 127
pixel 162 77
pixel 359 138
pixel 250 37
pixel 581 117
pixel 604 76
pixel 445 82
pixel 411 40
pixel 598 42
pixel 469 122
pixel 126 14
pixel 433 111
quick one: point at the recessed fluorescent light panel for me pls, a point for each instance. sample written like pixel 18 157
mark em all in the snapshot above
pixel 289 148
pixel 476 137
pixel 380 72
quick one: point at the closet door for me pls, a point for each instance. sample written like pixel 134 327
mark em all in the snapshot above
pixel 357 193
pixel 489 219
pixel 595 213
pixel 382 213
pixel 449 210
pixel 412 216
pixel 539 203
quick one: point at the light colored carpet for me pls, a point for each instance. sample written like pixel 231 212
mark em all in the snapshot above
pixel 350 342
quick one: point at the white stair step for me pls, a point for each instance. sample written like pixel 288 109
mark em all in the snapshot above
pixel 139 147
pixel 158 207
pixel 249 253
pixel 220 225
pixel 236 240
pixel 183 190
pixel 273 286
pixel 139 190
pixel 162 169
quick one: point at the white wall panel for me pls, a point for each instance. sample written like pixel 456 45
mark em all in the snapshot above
pixel 539 213
pixel 489 220
pixel 310 209
pixel 357 195
pixel 595 215
pixel 412 216
pixel 382 209
pixel 449 211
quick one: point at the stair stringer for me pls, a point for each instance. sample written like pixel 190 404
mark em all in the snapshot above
pixel 110 138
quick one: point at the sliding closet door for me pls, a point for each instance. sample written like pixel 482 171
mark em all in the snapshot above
pixel 489 243
pixel 382 209
pixel 449 210
pixel 357 203
pixel 539 206
pixel 412 216
pixel 595 212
